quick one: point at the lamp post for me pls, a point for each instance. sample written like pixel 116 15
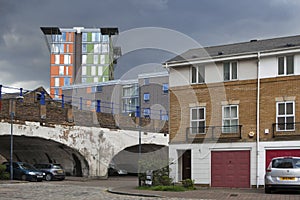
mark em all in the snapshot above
pixel 11 137
pixel 12 115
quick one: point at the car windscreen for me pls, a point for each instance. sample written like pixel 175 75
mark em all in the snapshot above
pixel 283 163
pixel 26 166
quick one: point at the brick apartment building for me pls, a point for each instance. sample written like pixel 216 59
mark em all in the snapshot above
pixel 232 108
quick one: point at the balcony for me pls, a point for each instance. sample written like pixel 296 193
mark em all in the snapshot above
pixel 213 133
pixel 286 129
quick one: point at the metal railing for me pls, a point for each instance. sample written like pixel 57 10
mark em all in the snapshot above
pixel 214 132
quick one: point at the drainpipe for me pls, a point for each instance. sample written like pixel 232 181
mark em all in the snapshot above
pixel 257 120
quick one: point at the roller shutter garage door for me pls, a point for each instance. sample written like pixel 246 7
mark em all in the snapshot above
pixel 230 169
pixel 280 153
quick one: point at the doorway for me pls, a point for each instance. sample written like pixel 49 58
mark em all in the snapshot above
pixel 186 165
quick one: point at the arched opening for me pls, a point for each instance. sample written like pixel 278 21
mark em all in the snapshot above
pixel 77 170
pixel 127 159
pixel 36 150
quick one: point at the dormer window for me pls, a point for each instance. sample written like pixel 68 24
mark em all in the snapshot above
pixel 286 65
pixel 230 71
pixel 198 74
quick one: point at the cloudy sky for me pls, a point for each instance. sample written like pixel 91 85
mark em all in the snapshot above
pixel 24 57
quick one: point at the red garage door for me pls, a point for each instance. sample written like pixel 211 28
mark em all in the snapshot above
pixel 230 169
pixel 280 152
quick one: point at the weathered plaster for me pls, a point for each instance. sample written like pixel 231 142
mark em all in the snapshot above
pixel 97 145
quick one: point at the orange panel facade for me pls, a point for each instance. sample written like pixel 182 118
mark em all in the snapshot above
pixel 54 70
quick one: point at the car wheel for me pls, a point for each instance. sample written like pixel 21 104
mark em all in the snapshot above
pixel 48 177
pixel 268 190
pixel 23 177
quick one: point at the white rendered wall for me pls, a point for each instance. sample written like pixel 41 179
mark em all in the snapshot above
pixel 181 76
pixel 269 66
pixel 201 158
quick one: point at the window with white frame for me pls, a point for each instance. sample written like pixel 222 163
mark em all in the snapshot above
pixel 285 116
pixel 230 118
pixel 96 59
pixel 61 48
pixel 84 37
pixel 61 70
pixel 230 71
pixel 198 74
pixel 56 82
pixel 57 59
pixel 84 59
pixel 67 59
pixel 104 48
pixel 96 79
pixel 100 70
pixel 102 59
pixel 97 48
pixel 197 117
pixel 83 70
pixel 96 37
pixel 93 70
pixel 146 97
pixel 130 98
pixel 67 70
pixel 54 48
pixel 286 65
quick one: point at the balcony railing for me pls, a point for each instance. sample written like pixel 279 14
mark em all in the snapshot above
pixel 213 132
pixel 286 129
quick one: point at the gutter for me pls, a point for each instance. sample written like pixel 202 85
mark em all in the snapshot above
pixel 231 57
pixel 257 120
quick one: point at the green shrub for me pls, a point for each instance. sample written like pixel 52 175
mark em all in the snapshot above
pixel 159 176
pixel 188 183
pixel 168 188
pixel 3 174
pixel 172 188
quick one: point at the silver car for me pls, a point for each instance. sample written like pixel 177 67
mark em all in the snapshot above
pixel 283 173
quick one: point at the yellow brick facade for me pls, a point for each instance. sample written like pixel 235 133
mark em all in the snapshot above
pixel 242 93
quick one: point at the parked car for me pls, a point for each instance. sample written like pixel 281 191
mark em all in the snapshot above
pixel 114 170
pixel 52 171
pixel 283 173
pixel 24 171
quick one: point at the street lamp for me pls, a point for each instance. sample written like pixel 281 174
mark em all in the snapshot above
pixel 12 114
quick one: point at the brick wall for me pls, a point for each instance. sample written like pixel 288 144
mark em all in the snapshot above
pixel 212 97
pixel 52 113
pixel 244 93
pixel 277 89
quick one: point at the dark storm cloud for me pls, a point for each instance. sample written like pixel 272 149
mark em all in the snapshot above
pixel 24 57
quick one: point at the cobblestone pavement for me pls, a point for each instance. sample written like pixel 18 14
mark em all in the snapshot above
pixel 80 188
pixel 50 191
